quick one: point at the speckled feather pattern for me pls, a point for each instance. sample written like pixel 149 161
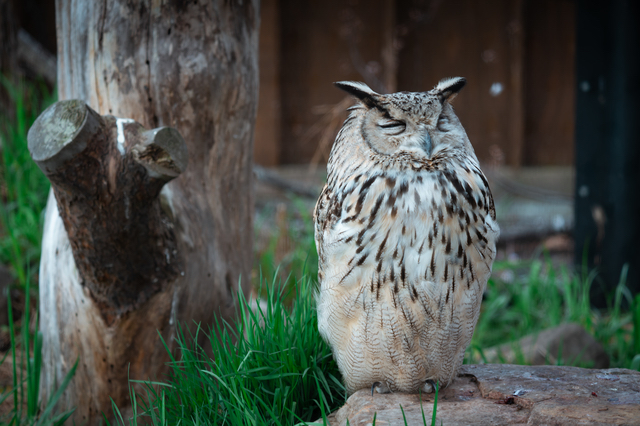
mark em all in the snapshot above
pixel 406 244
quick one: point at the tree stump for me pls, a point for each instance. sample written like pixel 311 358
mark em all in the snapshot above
pixel 135 241
pixel 106 174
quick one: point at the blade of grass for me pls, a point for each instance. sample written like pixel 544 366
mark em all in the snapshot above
pixel 44 417
pixel 403 416
pixel 424 420
pixel 435 405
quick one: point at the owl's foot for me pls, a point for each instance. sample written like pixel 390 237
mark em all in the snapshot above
pixel 380 387
pixel 429 386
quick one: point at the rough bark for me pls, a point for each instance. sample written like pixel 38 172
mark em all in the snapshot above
pixel 106 174
pixel 191 66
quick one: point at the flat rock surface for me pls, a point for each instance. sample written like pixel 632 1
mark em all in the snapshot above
pixel 502 394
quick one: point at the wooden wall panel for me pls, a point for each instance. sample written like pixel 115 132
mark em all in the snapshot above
pixel 517 55
pixel 481 41
pixel 550 82
pixel 316 52
pixel 266 150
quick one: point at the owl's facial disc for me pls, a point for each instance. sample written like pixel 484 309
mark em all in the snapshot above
pixel 387 134
pixel 401 123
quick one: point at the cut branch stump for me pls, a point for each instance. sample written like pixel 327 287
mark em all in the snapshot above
pixel 106 174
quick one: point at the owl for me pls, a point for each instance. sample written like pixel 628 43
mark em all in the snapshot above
pixel 406 233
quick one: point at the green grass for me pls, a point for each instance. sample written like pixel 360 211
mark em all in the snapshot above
pixel 23 195
pixel 545 297
pixel 23 187
pixel 250 383
pixel 27 409
pixel 270 368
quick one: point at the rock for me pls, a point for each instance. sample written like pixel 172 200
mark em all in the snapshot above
pixel 502 394
pixel 570 343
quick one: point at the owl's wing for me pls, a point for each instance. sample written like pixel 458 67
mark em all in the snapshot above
pixel 321 219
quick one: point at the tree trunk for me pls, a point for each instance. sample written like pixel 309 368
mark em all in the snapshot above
pixel 118 261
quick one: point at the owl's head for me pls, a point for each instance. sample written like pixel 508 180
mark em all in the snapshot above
pixel 421 124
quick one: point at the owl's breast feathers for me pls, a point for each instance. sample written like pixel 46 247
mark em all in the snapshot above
pixel 432 229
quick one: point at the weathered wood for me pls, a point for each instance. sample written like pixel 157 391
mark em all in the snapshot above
pixel 191 66
pixel 272 178
pixel 323 42
pixel 390 46
pixel 484 42
pixel 106 174
pixel 266 150
pixel 515 84
pixel 550 89
pixel 38 19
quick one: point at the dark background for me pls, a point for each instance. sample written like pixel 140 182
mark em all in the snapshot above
pixel 551 83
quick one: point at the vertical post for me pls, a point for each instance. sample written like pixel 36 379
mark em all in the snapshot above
pixel 607 203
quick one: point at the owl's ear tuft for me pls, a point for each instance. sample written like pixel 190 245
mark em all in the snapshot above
pixel 448 88
pixel 360 91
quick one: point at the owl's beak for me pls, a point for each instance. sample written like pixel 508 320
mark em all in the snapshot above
pixel 427 145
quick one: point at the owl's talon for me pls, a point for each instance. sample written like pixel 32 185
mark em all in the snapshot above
pixel 429 386
pixel 380 388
